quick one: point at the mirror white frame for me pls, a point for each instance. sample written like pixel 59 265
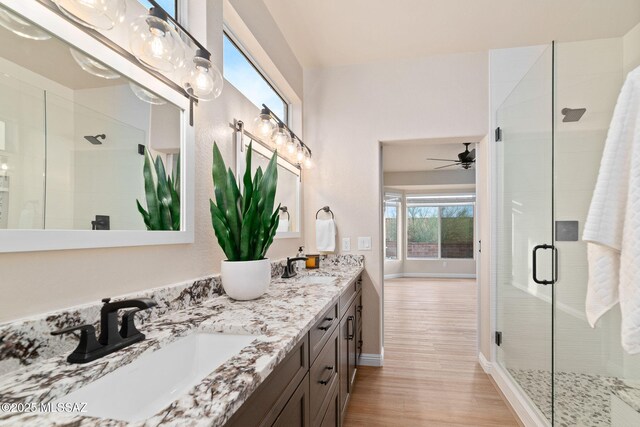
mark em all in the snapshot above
pixel 46 240
pixel 241 145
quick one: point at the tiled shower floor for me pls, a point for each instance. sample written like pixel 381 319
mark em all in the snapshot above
pixel 581 399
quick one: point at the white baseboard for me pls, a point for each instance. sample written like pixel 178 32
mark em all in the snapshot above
pixel 431 275
pixel 485 364
pixel 529 415
pixel 371 359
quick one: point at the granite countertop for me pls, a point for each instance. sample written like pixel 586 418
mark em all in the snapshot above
pixel 280 318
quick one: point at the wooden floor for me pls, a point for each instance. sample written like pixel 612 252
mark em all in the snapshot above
pixel 431 376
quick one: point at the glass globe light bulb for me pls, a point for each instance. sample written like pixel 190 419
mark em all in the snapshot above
pixel 291 147
pixel 155 43
pixel 202 79
pixel 281 136
pixel 263 125
pixel 145 95
pixel 300 154
pixel 96 14
pixel 21 27
pixel 92 66
pixel 308 163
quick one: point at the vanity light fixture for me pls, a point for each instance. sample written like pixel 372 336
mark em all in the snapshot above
pixel 92 66
pixel 154 42
pixel 282 137
pixel 145 95
pixel 96 14
pixel 202 79
pixel 21 27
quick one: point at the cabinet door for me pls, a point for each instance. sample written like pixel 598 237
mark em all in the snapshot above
pixel 352 343
pixel 347 354
pixel 296 412
pixel 332 416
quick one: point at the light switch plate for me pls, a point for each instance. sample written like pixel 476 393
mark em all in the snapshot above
pixel 346 244
pixel 364 243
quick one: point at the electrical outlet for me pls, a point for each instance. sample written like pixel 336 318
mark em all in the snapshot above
pixel 364 243
pixel 444 263
pixel 346 244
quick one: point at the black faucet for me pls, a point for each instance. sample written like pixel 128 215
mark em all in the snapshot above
pixel 111 339
pixel 289 270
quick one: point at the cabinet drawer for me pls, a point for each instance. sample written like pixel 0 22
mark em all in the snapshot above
pixel 348 294
pixel 268 400
pixel 323 375
pixel 321 331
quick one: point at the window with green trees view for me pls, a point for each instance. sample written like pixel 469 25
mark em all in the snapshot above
pixel 391 211
pixel 440 226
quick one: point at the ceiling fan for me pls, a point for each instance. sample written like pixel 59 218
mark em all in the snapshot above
pixel 466 159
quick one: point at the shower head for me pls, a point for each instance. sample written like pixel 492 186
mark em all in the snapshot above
pixel 572 114
pixel 95 140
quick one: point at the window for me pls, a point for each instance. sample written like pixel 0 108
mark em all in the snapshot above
pixel 171 6
pixel 391 210
pixel 244 76
pixel 440 226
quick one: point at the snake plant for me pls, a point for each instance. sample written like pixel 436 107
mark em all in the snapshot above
pixel 162 193
pixel 246 223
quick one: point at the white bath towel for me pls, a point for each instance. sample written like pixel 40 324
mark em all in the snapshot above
pixel 325 235
pixel 283 226
pixel 612 230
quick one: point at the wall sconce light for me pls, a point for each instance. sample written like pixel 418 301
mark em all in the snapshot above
pixel 154 42
pixel 96 14
pixel 202 79
pixel 92 66
pixel 21 27
pixel 282 137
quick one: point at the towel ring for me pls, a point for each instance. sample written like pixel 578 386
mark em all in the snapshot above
pixel 284 209
pixel 327 209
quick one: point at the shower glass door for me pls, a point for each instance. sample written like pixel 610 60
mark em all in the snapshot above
pixel 524 316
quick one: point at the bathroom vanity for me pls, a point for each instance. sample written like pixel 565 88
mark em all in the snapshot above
pixel 298 368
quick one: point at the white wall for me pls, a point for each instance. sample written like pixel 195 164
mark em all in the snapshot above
pixel 631 49
pixel 349 110
pixel 38 282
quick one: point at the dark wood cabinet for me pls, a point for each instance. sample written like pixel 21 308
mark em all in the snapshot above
pixel 350 338
pixel 296 411
pixel 312 385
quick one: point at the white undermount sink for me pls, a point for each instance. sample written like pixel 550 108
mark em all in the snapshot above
pixel 316 280
pixel 142 388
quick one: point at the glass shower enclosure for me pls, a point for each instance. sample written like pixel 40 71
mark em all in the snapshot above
pixel 551 133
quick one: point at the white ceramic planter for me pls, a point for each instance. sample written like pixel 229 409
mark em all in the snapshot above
pixel 246 280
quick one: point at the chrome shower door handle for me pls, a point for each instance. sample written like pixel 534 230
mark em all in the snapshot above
pixel 535 264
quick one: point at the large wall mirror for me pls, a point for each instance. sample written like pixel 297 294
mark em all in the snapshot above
pixel 288 192
pixel 75 126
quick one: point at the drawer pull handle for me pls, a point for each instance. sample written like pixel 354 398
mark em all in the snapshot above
pixel 325 382
pixel 326 327
pixel 350 334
